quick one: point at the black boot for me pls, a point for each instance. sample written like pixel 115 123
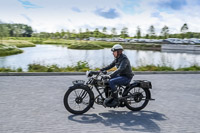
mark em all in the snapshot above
pixel 113 100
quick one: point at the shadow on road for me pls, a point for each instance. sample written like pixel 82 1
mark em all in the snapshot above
pixel 144 121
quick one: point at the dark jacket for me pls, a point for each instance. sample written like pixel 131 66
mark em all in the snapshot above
pixel 123 67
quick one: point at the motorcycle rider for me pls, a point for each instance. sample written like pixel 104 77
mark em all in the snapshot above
pixel 121 76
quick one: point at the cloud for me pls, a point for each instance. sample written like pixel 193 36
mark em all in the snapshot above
pixel 75 9
pixel 110 14
pixel 156 15
pixel 129 6
pixel 27 4
pixel 172 4
pixel 93 14
pixel 26 17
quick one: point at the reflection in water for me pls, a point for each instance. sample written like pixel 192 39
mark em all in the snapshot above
pixel 182 51
pixel 62 56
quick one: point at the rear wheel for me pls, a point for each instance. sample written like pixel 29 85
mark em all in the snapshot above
pixel 78 99
pixel 137 98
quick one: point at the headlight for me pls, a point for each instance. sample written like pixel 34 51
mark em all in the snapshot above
pixel 87 73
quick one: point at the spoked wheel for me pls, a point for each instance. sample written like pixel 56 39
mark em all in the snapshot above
pixel 137 98
pixel 78 99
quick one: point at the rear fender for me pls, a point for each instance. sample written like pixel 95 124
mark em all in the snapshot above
pixel 135 84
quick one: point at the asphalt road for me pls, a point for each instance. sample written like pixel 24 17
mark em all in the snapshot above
pixel 34 104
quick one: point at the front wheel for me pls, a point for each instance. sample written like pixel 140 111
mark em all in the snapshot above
pixel 137 98
pixel 78 99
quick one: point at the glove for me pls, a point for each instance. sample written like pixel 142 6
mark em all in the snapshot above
pixel 106 76
pixel 102 70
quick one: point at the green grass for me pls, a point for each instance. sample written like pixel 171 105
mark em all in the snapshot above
pixel 191 68
pixel 84 45
pixel 58 41
pixel 83 66
pixel 18 43
pixel 142 46
pixel 153 68
pixel 10 70
pixel 10 47
pixel 103 43
pixel 9 50
pixel 76 44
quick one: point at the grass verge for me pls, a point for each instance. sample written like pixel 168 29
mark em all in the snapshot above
pixel 9 50
pixel 83 66
pixel 85 46
pixel 18 43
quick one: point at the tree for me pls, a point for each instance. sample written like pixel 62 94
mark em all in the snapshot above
pixel 104 30
pixel 80 34
pixel 73 35
pixel 3 32
pixel 113 32
pixel 151 31
pixel 124 32
pixel 184 28
pixel 68 34
pixel 87 33
pixel 147 36
pixel 96 32
pixel 62 33
pixel 17 32
pixel 28 31
pixel 87 30
pixel 165 32
pixel 57 35
pixel 138 32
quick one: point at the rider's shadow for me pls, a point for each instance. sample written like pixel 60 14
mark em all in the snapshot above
pixel 144 121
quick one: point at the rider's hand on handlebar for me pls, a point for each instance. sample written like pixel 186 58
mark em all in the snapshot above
pixel 101 70
pixel 106 76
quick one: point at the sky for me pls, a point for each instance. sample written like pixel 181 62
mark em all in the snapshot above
pixel 54 15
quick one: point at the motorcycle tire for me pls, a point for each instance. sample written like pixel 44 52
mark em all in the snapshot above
pixel 138 98
pixel 78 99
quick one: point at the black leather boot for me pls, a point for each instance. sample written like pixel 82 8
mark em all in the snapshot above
pixel 115 101
pixel 112 101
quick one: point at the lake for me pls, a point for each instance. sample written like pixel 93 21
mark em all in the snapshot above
pixel 62 56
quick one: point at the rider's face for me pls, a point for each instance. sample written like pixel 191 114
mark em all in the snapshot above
pixel 115 54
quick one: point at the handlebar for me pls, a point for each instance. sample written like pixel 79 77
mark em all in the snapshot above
pixel 97 73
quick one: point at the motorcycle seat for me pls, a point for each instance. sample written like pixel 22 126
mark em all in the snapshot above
pixel 126 85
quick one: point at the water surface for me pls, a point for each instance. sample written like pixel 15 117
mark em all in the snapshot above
pixel 62 56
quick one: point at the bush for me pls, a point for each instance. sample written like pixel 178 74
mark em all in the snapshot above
pixel 191 68
pixel 153 68
pixel 84 45
pixel 7 70
pixel 81 66
pixel 103 43
pixel 37 68
pixel 19 70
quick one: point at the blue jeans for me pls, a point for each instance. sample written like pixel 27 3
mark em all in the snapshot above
pixel 118 80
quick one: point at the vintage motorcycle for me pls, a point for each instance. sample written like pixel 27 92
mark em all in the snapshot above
pixel 80 97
